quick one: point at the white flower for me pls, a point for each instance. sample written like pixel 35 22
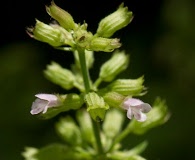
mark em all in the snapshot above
pixel 136 108
pixel 43 102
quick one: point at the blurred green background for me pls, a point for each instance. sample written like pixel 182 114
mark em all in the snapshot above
pixel 161 44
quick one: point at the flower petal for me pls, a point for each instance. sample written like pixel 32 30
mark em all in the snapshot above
pixel 45 109
pixel 38 106
pixel 129 113
pixel 134 102
pixel 125 105
pixel 48 97
pixel 131 102
pixel 139 116
pixel 145 108
pixel 135 107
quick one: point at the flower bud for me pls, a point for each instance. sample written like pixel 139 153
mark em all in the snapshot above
pixel 68 39
pixel 60 15
pixel 157 116
pixel 60 76
pixel 113 99
pixel 114 22
pixel 104 44
pixel 113 123
pixel 132 87
pixel 46 33
pixel 96 106
pixel 110 69
pixel 86 126
pixel 82 37
pixel 69 131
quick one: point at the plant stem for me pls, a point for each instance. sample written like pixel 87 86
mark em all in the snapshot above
pixel 84 69
pixel 86 81
pixel 96 130
pixel 97 82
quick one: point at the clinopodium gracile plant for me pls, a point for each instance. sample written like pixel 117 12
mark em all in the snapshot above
pixel 104 116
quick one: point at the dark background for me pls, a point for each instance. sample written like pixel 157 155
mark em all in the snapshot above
pixel 161 44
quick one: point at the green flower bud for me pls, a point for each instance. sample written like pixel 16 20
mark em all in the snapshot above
pixel 82 37
pixel 72 101
pixel 68 39
pixel 113 123
pixel 157 116
pixel 69 131
pixel 96 106
pixel 67 102
pixel 110 69
pixel 114 22
pixel 60 76
pixel 132 87
pixel 104 44
pixel 113 99
pixel 46 33
pixel 86 127
pixel 60 15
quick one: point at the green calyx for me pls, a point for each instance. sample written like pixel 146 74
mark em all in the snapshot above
pixel 115 65
pixel 96 106
pixel 68 33
pixel 114 22
pixel 62 16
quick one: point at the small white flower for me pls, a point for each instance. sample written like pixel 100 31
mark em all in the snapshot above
pixel 43 102
pixel 136 108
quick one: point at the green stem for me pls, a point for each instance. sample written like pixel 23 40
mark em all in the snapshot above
pixel 96 129
pixel 84 69
pixel 97 82
pixel 86 80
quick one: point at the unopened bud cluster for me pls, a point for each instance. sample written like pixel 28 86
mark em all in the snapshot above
pixel 70 34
